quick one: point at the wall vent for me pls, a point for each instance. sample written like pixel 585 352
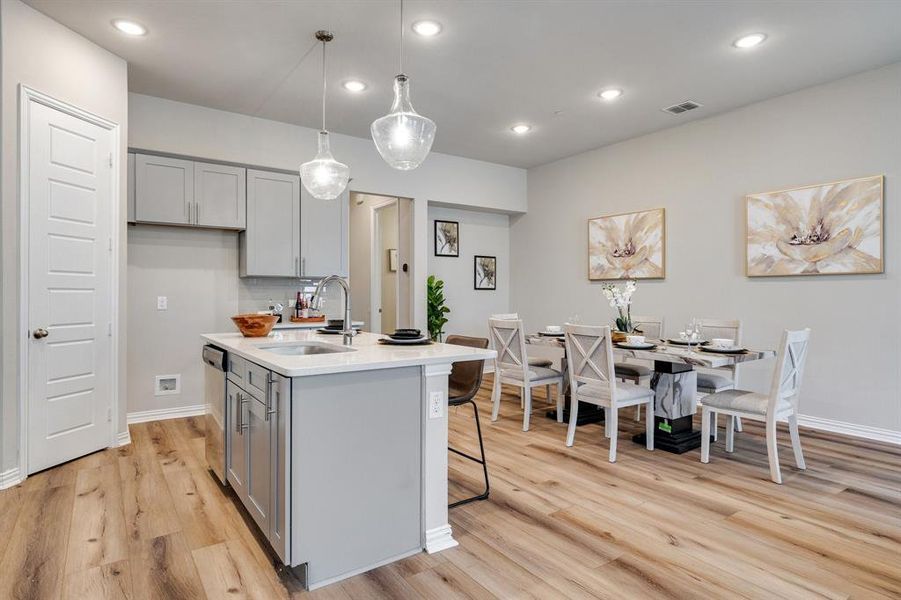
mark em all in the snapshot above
pixel 678 109
pixel 167 385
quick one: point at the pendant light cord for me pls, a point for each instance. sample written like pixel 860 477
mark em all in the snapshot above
pixel 323 85
pixel 401 61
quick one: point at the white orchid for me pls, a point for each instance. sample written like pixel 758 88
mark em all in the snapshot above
pixel 621 300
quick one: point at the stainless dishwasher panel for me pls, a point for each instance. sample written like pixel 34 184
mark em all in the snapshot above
pixel 215 367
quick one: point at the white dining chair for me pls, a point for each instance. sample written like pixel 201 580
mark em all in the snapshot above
pixel 592 379
pixel 724 378
pixel 780 404
pixel 651 328
pixel 511 367
pixel 533 361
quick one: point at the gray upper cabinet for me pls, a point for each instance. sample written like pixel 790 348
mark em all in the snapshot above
pixel 220 196
pixel 324 235
pixel 164 190
pixel 130 210
pixel 270 247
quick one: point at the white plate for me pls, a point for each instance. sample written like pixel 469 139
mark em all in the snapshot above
pixel 628 346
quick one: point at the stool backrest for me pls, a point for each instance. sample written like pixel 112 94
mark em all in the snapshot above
pixel 466 376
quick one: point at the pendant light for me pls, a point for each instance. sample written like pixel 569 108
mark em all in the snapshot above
pixel 324 177
pixel 403 137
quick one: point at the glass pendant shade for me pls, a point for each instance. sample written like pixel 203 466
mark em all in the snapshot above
pixel 324 177
pixel 403 137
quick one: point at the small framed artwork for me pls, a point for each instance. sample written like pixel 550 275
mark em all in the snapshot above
pixel 825 229
pixel 485 272
pixel 447 238
pixel 627 246
pixel 392 259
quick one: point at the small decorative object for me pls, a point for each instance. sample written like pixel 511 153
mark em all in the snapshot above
pixel 447 238
pixel 485 272
pixel 621 300
pixel 436 308
pixel 827 229
pixel 392 259
pixel 254 325
pixel 627 246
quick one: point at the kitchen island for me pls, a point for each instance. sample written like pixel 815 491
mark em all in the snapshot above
pixel 339 453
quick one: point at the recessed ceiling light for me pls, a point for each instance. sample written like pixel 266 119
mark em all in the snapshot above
pixel 427 28
pixel 129 27
pixel 611 94
pixel 521 128
pixel 749 41
pixel 354 86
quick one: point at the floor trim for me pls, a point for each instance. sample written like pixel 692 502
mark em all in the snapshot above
pixel 123 438
pixel 876 434
pixel 10 477
pixel 166 413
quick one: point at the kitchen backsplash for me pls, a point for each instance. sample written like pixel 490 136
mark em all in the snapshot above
pixel 254 293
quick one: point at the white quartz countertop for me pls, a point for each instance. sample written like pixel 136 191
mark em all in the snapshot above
pixel 367 353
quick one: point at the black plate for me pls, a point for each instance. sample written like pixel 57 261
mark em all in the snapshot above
pixel 723 351
pixel 681 343
pixel 403 342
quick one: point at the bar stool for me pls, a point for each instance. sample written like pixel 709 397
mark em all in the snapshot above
pixel 462 385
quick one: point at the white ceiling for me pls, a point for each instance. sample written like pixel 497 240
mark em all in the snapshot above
pixel 495 64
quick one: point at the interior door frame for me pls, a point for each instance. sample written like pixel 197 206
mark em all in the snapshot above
pixel 28 95
pixel 375 265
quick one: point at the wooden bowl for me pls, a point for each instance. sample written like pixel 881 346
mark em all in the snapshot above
pixel 253 325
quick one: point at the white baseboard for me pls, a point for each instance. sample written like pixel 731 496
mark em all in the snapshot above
pixel 876 434
pixel 123 438
pixel 166 413
pixel 10 478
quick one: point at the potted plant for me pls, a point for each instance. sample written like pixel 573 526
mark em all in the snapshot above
pixel 436 308
pixel 621 300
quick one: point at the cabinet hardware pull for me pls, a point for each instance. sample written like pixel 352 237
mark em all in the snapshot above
pixel 240 411
pixel 269 409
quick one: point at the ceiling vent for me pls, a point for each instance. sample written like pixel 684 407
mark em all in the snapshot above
pixel 678 109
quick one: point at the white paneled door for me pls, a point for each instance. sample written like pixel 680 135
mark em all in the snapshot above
pixel 69 195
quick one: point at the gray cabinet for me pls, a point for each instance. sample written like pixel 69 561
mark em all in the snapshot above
pixel 270 246
pixel 324 235
pixel 220 196
pixel 130 210
pixel 164 190
pixel 236 440
pixel 257 446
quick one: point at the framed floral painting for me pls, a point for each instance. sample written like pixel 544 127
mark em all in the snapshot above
pixel 485 272
pixel 826 229
pixel 627 246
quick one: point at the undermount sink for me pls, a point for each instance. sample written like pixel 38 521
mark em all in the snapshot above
pixel 306 348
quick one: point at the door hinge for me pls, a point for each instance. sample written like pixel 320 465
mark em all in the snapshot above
pixel 109 329
pixel 111 160
pixel 110 244
pixel 109 414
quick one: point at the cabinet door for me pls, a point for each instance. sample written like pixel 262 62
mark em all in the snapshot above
pixel 130 211
pixel 220 196
pixel 259 464
pixel 236 438
pixel 280 434
pixel 270 246
pixel 164 190
pixel 323 235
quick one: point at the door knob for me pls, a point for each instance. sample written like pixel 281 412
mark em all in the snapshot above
pixel 40 332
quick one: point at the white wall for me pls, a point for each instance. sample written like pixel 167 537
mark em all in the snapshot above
pixel 482 233
pixel 205 263
pixel 700 173
pixel 44 55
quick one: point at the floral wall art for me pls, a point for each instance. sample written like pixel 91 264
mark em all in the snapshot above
pixel 831 228
pixel 627 246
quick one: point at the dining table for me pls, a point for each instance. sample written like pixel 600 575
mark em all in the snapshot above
pixel 674 381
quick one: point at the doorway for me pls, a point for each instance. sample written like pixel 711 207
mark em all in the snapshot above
pixel 69 195
pixel 381 261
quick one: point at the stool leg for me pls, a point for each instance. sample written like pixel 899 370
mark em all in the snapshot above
pixel 483 461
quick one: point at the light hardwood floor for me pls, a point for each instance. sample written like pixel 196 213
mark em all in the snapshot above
pixel 149 521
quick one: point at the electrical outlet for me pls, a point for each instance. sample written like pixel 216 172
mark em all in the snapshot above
pixel 436 405
pixel 162 303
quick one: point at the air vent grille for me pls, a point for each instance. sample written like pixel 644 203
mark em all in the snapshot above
pixel 678 109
